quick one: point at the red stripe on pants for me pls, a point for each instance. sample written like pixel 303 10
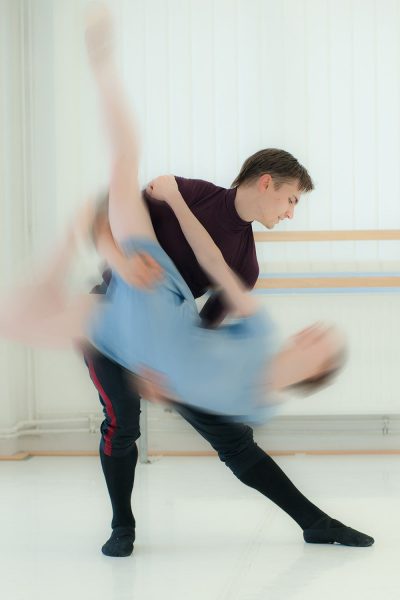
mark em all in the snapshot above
pixel 109 409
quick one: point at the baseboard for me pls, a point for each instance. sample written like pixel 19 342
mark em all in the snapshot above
pixel 168 434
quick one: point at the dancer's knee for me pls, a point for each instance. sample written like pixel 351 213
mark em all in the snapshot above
pixel 118 448
pixel 241 454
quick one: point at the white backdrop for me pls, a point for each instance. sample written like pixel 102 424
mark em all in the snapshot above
pixel 212 81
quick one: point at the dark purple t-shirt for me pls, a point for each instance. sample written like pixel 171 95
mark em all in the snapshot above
pixel 214 207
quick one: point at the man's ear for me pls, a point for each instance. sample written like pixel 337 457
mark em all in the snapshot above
pixel 264 182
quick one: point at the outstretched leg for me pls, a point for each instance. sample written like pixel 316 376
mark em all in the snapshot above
pixel 236 447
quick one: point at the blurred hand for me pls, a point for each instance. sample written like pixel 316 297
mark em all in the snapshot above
pixel 140 270
pixel 152 386
pixel 248 306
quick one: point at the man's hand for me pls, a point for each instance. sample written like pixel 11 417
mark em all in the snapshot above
pixel 140 270
pixel 163 188
pixel 247 305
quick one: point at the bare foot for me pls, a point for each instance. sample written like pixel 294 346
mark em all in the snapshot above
pixel 99 33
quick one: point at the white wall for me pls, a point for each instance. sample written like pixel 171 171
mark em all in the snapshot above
pixel 213 81
pixel 15 362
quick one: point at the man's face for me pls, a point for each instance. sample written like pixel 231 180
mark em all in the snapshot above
pixel 277 204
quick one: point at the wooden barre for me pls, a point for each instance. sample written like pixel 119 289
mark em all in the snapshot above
pixel 326 282
pixel 327 236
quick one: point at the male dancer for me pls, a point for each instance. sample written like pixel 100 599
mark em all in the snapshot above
pixel 266 190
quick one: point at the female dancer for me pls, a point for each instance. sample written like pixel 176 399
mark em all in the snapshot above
pixel 228 370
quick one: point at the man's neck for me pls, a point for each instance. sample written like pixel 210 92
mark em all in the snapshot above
pixel 246 203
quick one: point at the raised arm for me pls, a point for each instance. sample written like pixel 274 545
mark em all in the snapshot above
pixel 206 251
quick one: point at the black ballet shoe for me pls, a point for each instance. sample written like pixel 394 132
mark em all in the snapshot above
pixel 120 543
pixel 330 531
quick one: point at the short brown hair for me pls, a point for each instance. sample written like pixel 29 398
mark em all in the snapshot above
pixel 281 165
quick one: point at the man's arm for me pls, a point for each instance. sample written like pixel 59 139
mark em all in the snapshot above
pixel 215 308
pixel 206 251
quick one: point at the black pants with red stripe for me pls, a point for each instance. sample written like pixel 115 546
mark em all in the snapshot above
pixel 120 429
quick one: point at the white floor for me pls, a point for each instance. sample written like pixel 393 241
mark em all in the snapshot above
pixel 201 534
